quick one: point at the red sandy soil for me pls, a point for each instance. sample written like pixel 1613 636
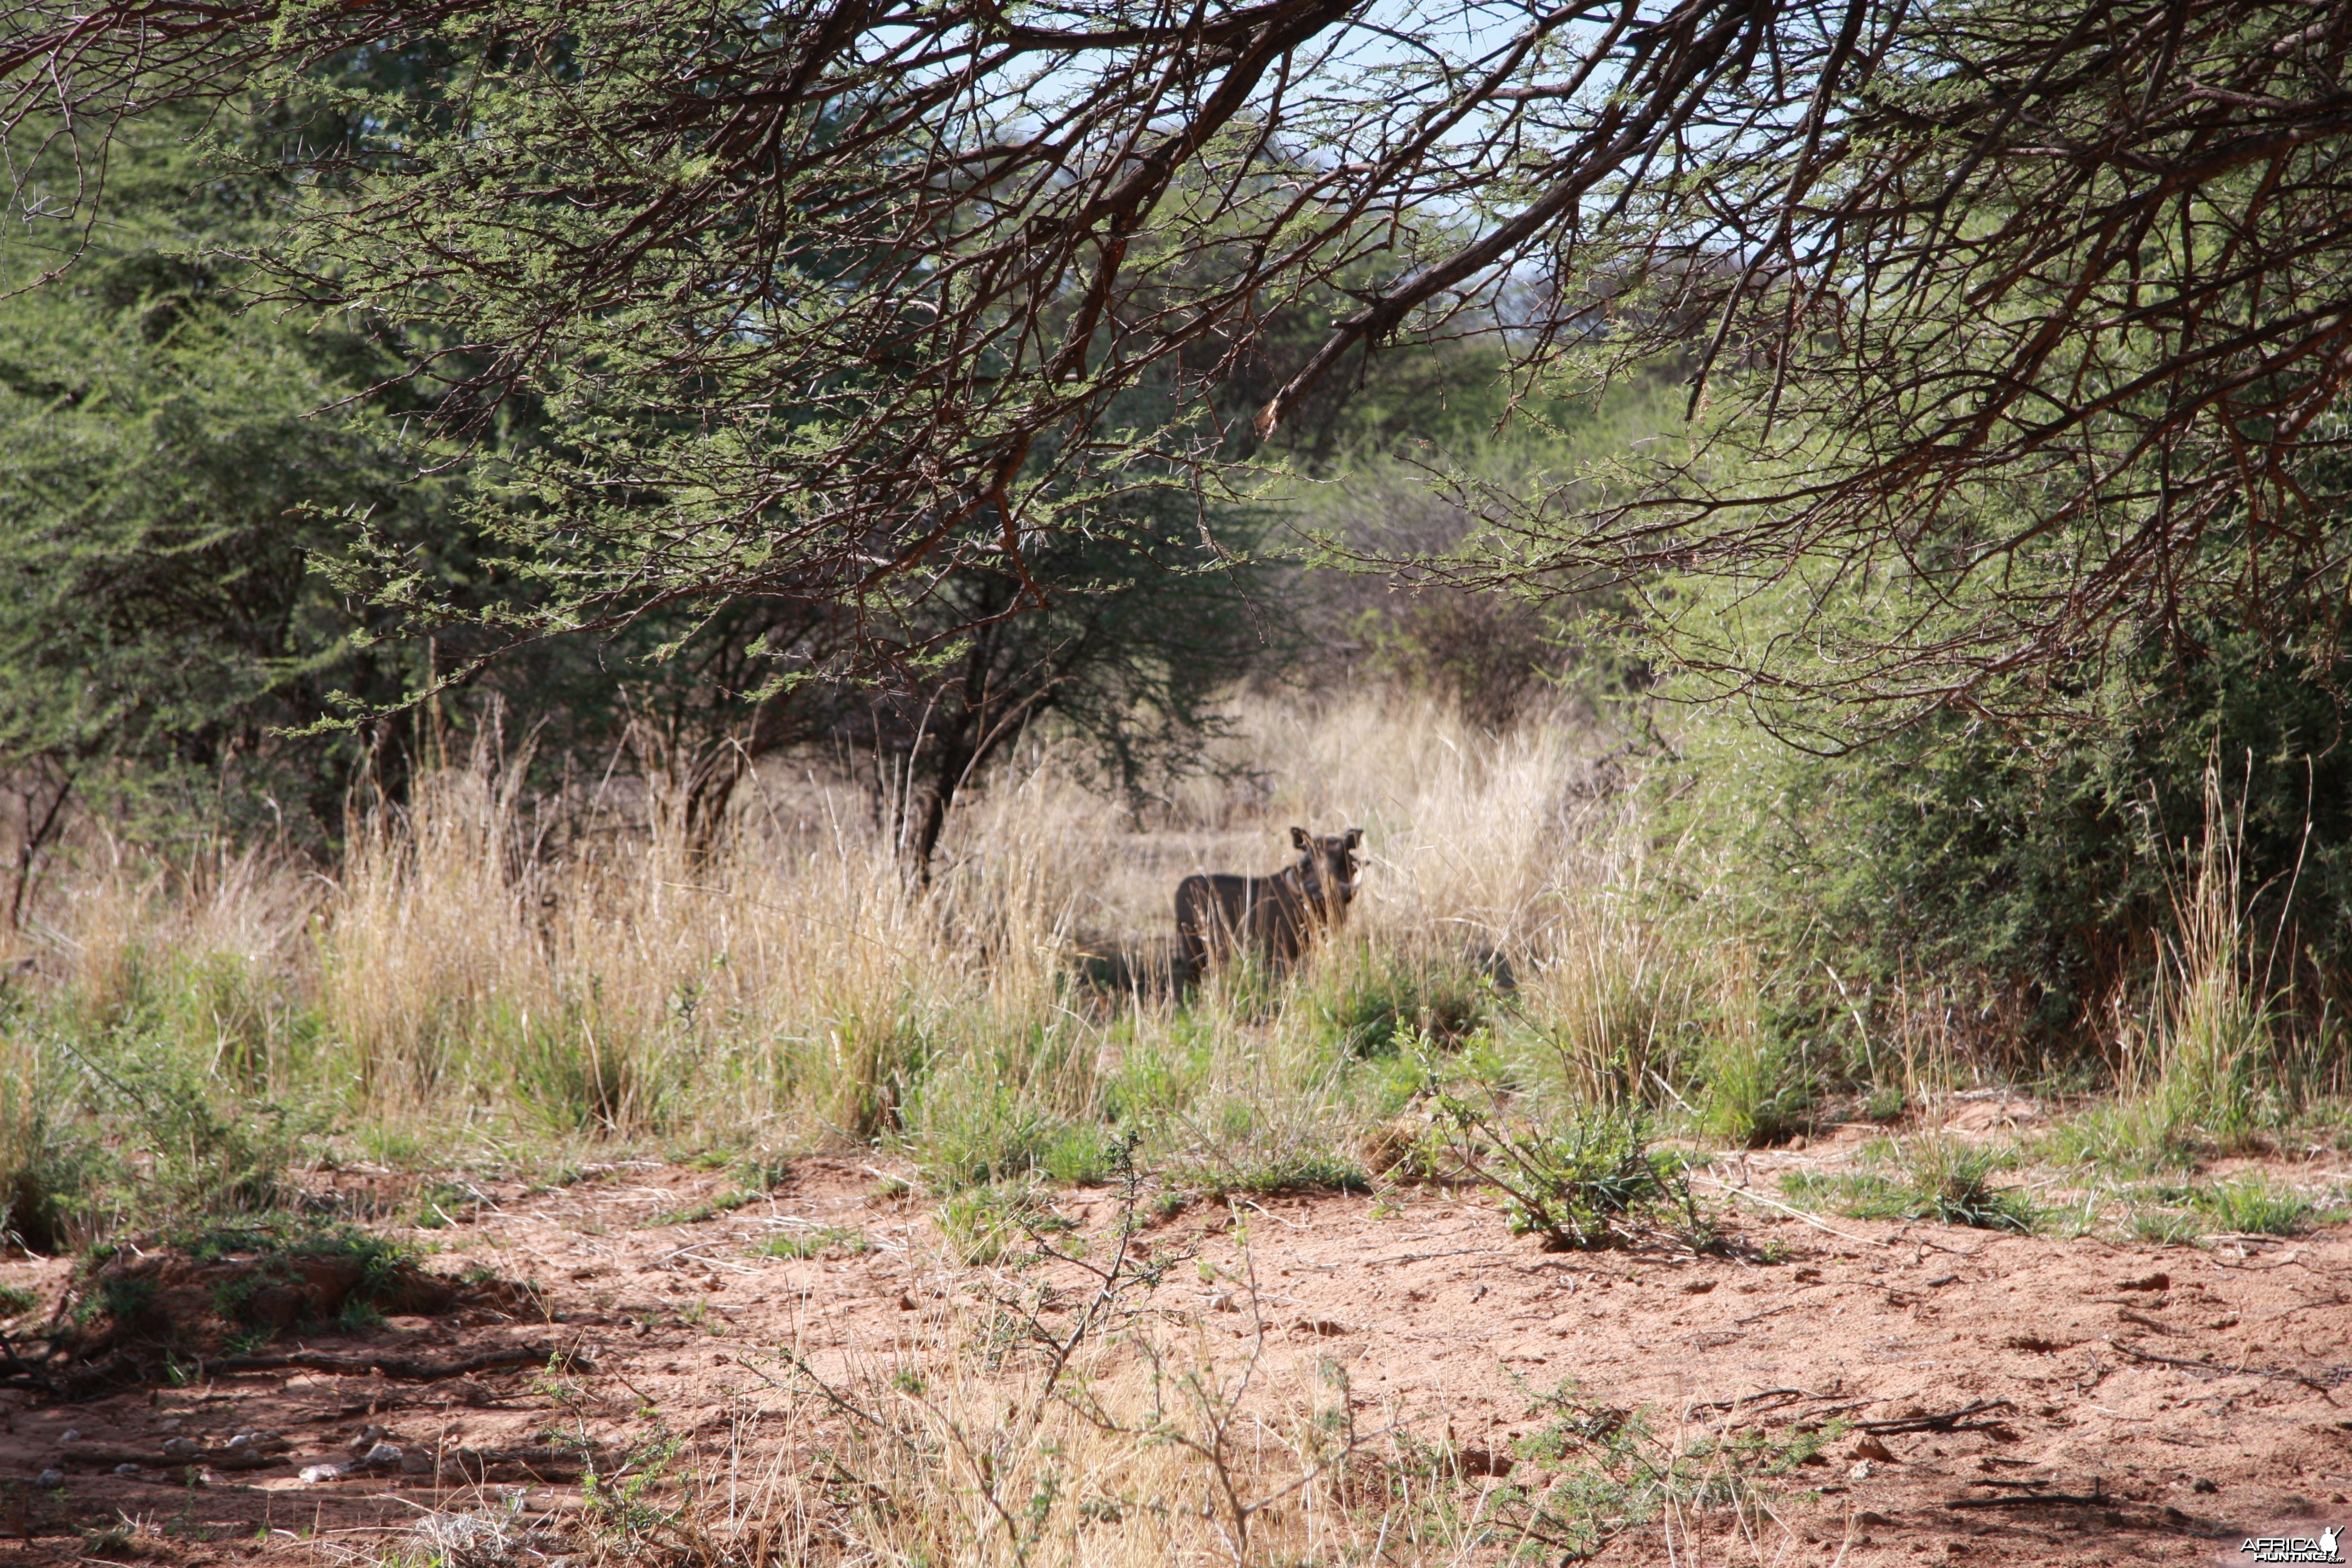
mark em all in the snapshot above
pixel 2200 1395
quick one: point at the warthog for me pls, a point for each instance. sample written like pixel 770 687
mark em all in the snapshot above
pixel 1279 915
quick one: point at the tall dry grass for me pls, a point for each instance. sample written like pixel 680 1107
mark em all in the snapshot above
pixel 1166 1443
pixel 2196 1062
pixel 495 964
pixel 578 967
pixel 575 967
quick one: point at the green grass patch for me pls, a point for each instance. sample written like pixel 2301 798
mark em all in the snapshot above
pixel 1018 1105
pixel 1161 1074
pixel 2162 1228
pixel 1371 1005
pixel 2125 1138
pixel 439 1204
pixel 50 1165
pixel 1930 1179
pixel 1271 1172
pixel 2254 1206
pixel 995 1223
pixel 758 1174
pixel 708 1208
pixel 1086 1154
pixel 2184 1212
pixel 814 1243
pixel 400 1148
pixel 1752 1087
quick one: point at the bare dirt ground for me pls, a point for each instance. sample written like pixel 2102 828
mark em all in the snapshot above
pixel 2181 1398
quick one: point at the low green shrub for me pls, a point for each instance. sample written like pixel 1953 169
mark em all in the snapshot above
pixel 1588 1180
pixel 2029 870
pixel 199 1149
pixel 378 1258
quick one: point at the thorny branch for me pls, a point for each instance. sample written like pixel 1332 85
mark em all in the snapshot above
pixel 2042 313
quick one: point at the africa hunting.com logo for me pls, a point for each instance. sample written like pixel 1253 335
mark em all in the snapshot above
pixel 2320 1547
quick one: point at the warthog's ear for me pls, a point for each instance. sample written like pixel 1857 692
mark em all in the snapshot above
pixel 1355 836
pixel 1299 839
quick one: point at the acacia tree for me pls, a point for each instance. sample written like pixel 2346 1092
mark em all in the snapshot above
pixel 1130 655
pixel 835 300
pixel 168 486
pixel 1132 652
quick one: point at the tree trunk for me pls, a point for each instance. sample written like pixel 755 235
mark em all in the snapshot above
pixel 709 790
pixel 955 762
pixel 41 826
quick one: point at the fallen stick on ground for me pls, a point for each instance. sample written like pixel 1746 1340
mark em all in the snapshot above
pixel 256 1456
pixel 407 1368
pixel 1425 1256
pixel 2323 1380
pixel 1797 1214
pixel 1778 1396
pixel 1946 1422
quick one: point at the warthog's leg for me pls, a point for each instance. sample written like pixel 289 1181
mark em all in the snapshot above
pixel 1197 912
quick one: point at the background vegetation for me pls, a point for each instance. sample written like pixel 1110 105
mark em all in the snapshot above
pixel 297 869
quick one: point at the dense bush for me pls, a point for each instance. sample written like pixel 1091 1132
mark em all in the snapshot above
pixel 175 474
pixel 2026 873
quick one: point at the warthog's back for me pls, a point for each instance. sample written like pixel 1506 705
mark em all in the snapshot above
pixel 1216 913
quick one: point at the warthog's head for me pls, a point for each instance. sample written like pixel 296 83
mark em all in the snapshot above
pixel 1326 868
